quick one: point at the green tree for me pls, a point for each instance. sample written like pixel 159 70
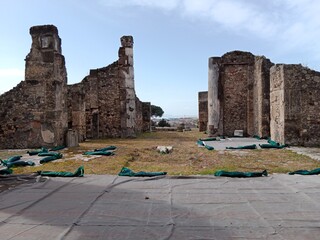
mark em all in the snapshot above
pixel 163 123
pixel 156 111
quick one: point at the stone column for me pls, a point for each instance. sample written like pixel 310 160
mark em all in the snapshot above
pixel 213 100
pixel 127 74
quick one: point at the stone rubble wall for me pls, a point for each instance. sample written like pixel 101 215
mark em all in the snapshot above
pixel 203 110
pixel 295 105
pixel 243 95
pixel 34 113
pixel 40 110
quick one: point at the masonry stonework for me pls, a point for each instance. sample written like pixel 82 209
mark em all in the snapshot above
pixel 34 113
pixel 203 110
pixel 237 94
pixel 41 109
pixel 295 105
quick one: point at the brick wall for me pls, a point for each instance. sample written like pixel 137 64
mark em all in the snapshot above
pixel 295 105
pixel 34 113
pixel 203 110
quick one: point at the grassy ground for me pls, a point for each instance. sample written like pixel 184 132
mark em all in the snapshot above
pixel 140 154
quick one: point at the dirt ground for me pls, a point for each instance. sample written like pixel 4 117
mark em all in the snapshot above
pixel 187 158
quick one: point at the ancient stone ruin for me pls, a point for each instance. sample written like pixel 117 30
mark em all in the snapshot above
pixel 40 110
pixel 250 93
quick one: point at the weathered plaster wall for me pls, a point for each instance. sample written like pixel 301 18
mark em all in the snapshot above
pixel 203 110
pixel 34 113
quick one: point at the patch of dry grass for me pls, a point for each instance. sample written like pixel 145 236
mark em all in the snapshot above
pixel 140 154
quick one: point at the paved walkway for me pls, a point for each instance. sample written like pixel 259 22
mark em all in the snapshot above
pixel 110 207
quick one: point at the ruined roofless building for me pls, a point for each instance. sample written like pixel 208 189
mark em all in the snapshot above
pixel 247 92
pixel 104 103
pixel 40 110
pixel 238 95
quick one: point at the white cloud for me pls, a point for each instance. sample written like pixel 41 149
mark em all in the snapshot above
pixel 162 4
pixel 289 24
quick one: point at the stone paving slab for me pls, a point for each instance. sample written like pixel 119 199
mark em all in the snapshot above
pixel 196 207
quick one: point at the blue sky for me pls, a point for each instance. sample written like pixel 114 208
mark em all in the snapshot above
pixel 173 39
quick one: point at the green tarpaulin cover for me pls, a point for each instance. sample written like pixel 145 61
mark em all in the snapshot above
pixel 51 154
pixel 48 159
pixel 129 173
pixel 5 171
pixel 201 143
pixel 57 148
pixel 209 147
pixel 20 163
pixel 253 146
pixel 306 172
pixel 78 173
pixel 10 160
pixel 272 146
pixel 37 151
pixel 209 139
pixel 109 148
pixel 222 173
pixel 103 153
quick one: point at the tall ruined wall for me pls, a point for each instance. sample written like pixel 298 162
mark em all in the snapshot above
pixel 296 90
pixel 261 96
pixel 35 112
pixel 108 96
pixel 146 116
pixel 238 95
pixel 237 92
pixel 76 110
pixel 102 102
pixel 203 110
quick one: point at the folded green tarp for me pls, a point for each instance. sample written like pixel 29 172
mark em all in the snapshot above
pixel 20 163
pixel 306 172
pixel 5 171
pixel 49 159
pixel 57 148
pixel 129 173
pixel 109 148
pixel 272 146
pixel 253 146
pixel 37 151
pixel 209 139
pixel 103 153
pixel 222 173
pixel 209 147
pixel 201 143
pixel 50 154
pixel 78 173
pixel 10 160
